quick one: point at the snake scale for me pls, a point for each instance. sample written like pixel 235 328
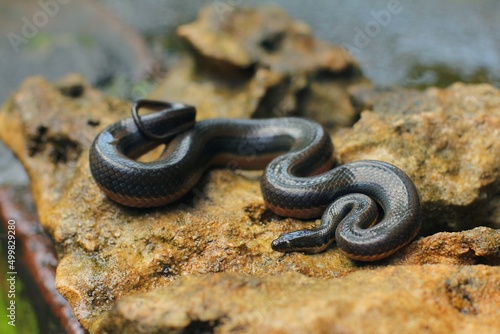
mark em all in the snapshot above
pixel 370 208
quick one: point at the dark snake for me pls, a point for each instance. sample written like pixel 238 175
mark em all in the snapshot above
pixel 370 208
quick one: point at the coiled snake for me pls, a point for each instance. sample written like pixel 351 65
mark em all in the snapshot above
pixel 297 182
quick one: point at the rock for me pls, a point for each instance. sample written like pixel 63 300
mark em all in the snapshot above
pixel 262 36
pixel 108 252
pixel 164 269
pixel 445 139
pixel 104 250
pixel 408 299
pixel 480 245
pixel 36 125
pixel 249 65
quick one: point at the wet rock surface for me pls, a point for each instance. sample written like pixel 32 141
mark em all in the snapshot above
pixel 205 263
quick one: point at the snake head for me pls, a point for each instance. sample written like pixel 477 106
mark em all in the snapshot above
pixel 305 241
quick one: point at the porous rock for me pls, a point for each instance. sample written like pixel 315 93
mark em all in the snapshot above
pixel 145 270
pixel 107 251
pixel 49 127
pixel 410 299
pixel 480 245
pixel 258 62
pixel 263 36
pixel 205 263
pixel 445 139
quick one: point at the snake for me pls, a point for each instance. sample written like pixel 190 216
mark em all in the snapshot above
pixel 369 208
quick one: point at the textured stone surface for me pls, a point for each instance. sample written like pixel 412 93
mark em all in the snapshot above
pixel 263 36
pixel 446 139
pixel 108 252
pixel 260 63
pixel 410 299
pixel 50 126
pixel 480 245
pixel 165 269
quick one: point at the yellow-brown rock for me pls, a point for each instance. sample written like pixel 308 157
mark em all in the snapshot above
pixel 108 252
pixel 409 299
pixel 446 139
pixel 205 264
pixel 258 62
pixel 263 36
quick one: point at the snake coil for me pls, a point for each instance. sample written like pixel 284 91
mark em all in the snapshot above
pixel 297 182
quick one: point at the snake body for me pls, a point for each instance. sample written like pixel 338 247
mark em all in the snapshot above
pixel 297 182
